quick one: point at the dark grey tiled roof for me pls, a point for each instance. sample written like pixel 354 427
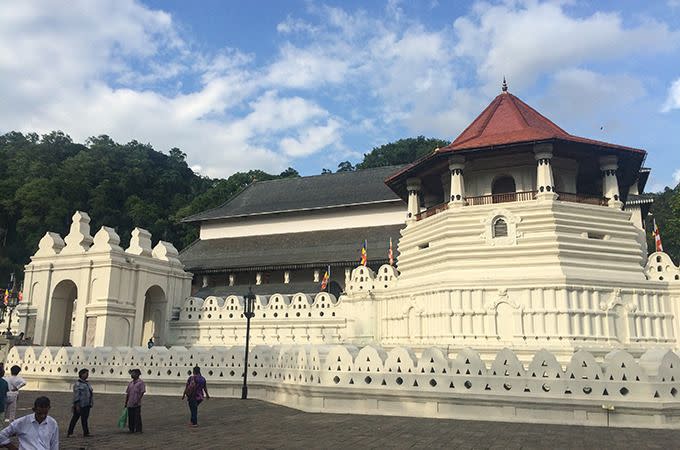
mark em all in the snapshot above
pixel 315 192
pixel 291 250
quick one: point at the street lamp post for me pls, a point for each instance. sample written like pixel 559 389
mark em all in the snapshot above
pixel 10 301
pixel 249 306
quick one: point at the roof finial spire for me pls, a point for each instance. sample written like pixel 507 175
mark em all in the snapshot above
pixel 504 88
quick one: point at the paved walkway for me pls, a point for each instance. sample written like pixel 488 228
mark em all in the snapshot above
pixel 233 423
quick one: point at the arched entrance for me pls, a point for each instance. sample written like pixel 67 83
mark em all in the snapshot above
pixel 61 313
pixel 153 323
pixel 503 189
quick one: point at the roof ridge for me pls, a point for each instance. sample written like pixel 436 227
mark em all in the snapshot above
pixel 236 194
pixel 495 103
pixel 523 103
pixel 516 110
pixel 327 174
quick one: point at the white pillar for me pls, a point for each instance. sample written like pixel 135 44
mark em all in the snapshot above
pixel 232 279
pixel 545 184
pixel 286 276
pixel 316 275
pixel 456 166
pixel 610 184
pixel 205 281
pixel 413 188
pixel 258 278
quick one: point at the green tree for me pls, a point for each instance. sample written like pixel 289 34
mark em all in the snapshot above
pixel 666 211
pixel 403 151
pixel 345 166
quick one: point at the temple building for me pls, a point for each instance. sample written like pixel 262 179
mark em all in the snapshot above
pixel 280 236
pixel 522 289
pixel 515 235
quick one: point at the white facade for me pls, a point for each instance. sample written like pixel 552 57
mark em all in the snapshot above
pixel 86 291
pixel 376 214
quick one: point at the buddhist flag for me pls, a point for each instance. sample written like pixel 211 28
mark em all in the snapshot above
pixel 326 277
pixel 364 254
pixel 390 254
pixel 657 238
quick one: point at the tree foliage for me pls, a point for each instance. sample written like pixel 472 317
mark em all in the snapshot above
pixel 666 211
pixel 47 178
pixel 403 151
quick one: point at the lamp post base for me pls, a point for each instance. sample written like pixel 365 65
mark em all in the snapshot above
pixel 244 393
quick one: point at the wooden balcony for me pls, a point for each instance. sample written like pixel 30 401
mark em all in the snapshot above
pixel 513 197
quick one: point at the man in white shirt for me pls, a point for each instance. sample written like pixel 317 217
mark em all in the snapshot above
pixel 36 431
pixel 14 383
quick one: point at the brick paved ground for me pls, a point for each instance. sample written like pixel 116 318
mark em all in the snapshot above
pixel 232 423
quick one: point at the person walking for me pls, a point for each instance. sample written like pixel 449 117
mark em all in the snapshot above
pixel 14 383
pixel 195 391
pixel 4 388
pixel 133 401
pixel 36 431
pixel 150 344
pixel 82 403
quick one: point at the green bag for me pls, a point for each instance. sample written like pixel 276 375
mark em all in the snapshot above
pixel 122 420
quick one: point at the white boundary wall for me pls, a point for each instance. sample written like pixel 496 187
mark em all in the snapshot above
pixel 619 391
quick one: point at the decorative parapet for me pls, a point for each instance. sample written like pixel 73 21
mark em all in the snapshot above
pixel 78 239
pixel 361 281
pixel 140 243
pixel 648 386
pixel 660 267
pixel 79 242
pixel 386 278
pixel 275 307
pixel 51 244
pixel 106 240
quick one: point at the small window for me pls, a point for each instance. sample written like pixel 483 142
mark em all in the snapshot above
pixel 500 228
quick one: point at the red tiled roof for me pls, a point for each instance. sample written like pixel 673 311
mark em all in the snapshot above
pixel 508 120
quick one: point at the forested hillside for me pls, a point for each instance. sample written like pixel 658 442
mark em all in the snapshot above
pixel 46 178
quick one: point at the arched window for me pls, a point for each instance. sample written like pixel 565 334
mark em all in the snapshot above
pixel 500 228
pixel 503 189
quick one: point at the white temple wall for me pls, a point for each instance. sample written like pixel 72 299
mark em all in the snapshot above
pixel 386 213
pixel 86 291
pixel 617 390
pixel 546 239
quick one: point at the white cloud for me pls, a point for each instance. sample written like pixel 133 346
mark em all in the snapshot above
pixel 109 67
pixel 312 139
pixel 121 68
pixel 673 99
pixel 676 176
pixel 524 40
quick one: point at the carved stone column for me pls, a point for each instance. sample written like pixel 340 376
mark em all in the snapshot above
pixel 413 188
pixel 456 166
pixel 545 184
pixel 610 184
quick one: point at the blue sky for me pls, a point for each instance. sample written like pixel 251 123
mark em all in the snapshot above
pixel 270 84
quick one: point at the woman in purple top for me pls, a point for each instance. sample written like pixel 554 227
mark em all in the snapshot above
pixel 195 391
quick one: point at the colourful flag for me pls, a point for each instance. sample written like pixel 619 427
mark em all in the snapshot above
pixel 390 254
pixel 326 277
pixel 21 295
pixel 657 238
pixel 364 255
pixel 6 296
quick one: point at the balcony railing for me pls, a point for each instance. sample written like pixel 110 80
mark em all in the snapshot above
pixel 501 198
pixel 513 197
